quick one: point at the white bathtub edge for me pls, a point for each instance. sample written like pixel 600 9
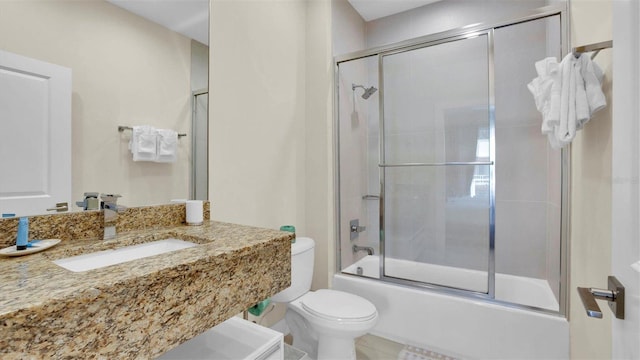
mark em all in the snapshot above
pixel 467 327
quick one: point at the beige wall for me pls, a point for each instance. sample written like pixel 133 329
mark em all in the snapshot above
pixel 270 115
pixel 319 139
pixel 257 112
pixel 591 21
pixel 126 71
pixel 348 28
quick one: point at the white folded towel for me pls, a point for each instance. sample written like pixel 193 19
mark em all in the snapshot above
pixel 567 95
pixel 592 75
pixel 566 130
pixel 167 145
pixel 546 91
pixel 582 105
pixel 143 143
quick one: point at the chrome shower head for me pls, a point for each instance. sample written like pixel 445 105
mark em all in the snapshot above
pixel 367 91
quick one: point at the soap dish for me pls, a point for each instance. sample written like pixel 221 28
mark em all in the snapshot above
pixel 33 247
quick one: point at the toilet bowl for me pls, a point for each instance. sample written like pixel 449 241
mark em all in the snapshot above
pixel 333 319
pixel 323 323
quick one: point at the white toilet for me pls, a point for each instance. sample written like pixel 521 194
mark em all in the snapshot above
pixel 323 323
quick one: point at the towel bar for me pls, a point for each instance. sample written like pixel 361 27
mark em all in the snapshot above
pixel 592 47
pixel 122 128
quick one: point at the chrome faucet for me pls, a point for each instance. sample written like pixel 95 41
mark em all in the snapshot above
pixel 368 249
pixel 111 210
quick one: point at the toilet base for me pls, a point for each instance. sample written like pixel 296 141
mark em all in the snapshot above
pixel 336 348
pixel 320 345
pixel 304 337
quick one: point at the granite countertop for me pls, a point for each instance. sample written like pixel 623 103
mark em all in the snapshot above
pixel 142 308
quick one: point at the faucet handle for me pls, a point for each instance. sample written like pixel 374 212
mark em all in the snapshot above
pixel 110 197
pixel 110 201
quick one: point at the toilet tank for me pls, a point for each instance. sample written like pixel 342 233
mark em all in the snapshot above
pixel 301 271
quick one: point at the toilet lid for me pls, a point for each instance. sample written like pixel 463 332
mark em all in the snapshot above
pixel 332 305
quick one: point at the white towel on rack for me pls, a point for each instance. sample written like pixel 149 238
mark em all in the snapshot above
pixel 567 95
pixel 143 143
pixel 546 91
pixel 566 130
pixel 592 75
pixel 583 114
pixel 167 145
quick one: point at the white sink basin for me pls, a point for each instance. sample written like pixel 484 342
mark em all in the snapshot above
pixel 106 258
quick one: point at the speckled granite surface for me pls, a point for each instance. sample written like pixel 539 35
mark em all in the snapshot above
pixel 142 308
pixel 90 224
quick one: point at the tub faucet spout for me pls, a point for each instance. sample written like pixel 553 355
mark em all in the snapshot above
pixel 111 209
pixel 368 249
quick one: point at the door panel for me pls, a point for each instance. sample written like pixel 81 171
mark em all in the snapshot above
pixel 35 123
pixel 437 164
pixel 625 223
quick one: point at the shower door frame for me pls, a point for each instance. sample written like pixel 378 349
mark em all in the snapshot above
pixel 435 39
pixel 193 191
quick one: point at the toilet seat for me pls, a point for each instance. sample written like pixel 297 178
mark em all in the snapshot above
pixel 338 305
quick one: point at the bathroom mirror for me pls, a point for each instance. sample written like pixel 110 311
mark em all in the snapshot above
pixel 126 70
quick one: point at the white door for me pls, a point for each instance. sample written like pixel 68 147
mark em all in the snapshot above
pixel 35 135
pixel 626 175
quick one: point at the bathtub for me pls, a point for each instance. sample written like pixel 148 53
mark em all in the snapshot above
pixel 458 326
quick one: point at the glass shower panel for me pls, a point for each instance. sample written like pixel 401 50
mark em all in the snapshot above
pixel 528 199
pixel 358 149
pixel 438 235
pixel 437 164
pixel 200 165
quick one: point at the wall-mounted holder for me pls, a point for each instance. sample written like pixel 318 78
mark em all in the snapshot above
pixel 614 296
pixel 122 128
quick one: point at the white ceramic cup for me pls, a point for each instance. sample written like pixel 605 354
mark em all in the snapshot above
pixel 194 212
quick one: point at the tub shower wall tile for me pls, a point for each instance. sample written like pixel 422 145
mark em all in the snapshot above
pixel 553 248
pixel 90 224
pixel 521 246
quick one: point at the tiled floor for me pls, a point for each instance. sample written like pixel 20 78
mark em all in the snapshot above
pixel 371 347
pixel 368 347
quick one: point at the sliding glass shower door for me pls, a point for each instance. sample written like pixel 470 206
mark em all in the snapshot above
pixel 436 166
pixel 444 171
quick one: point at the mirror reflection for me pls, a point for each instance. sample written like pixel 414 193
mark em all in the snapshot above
pixel 125 71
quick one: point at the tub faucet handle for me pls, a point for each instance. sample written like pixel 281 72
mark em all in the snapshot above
pixel 355 229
